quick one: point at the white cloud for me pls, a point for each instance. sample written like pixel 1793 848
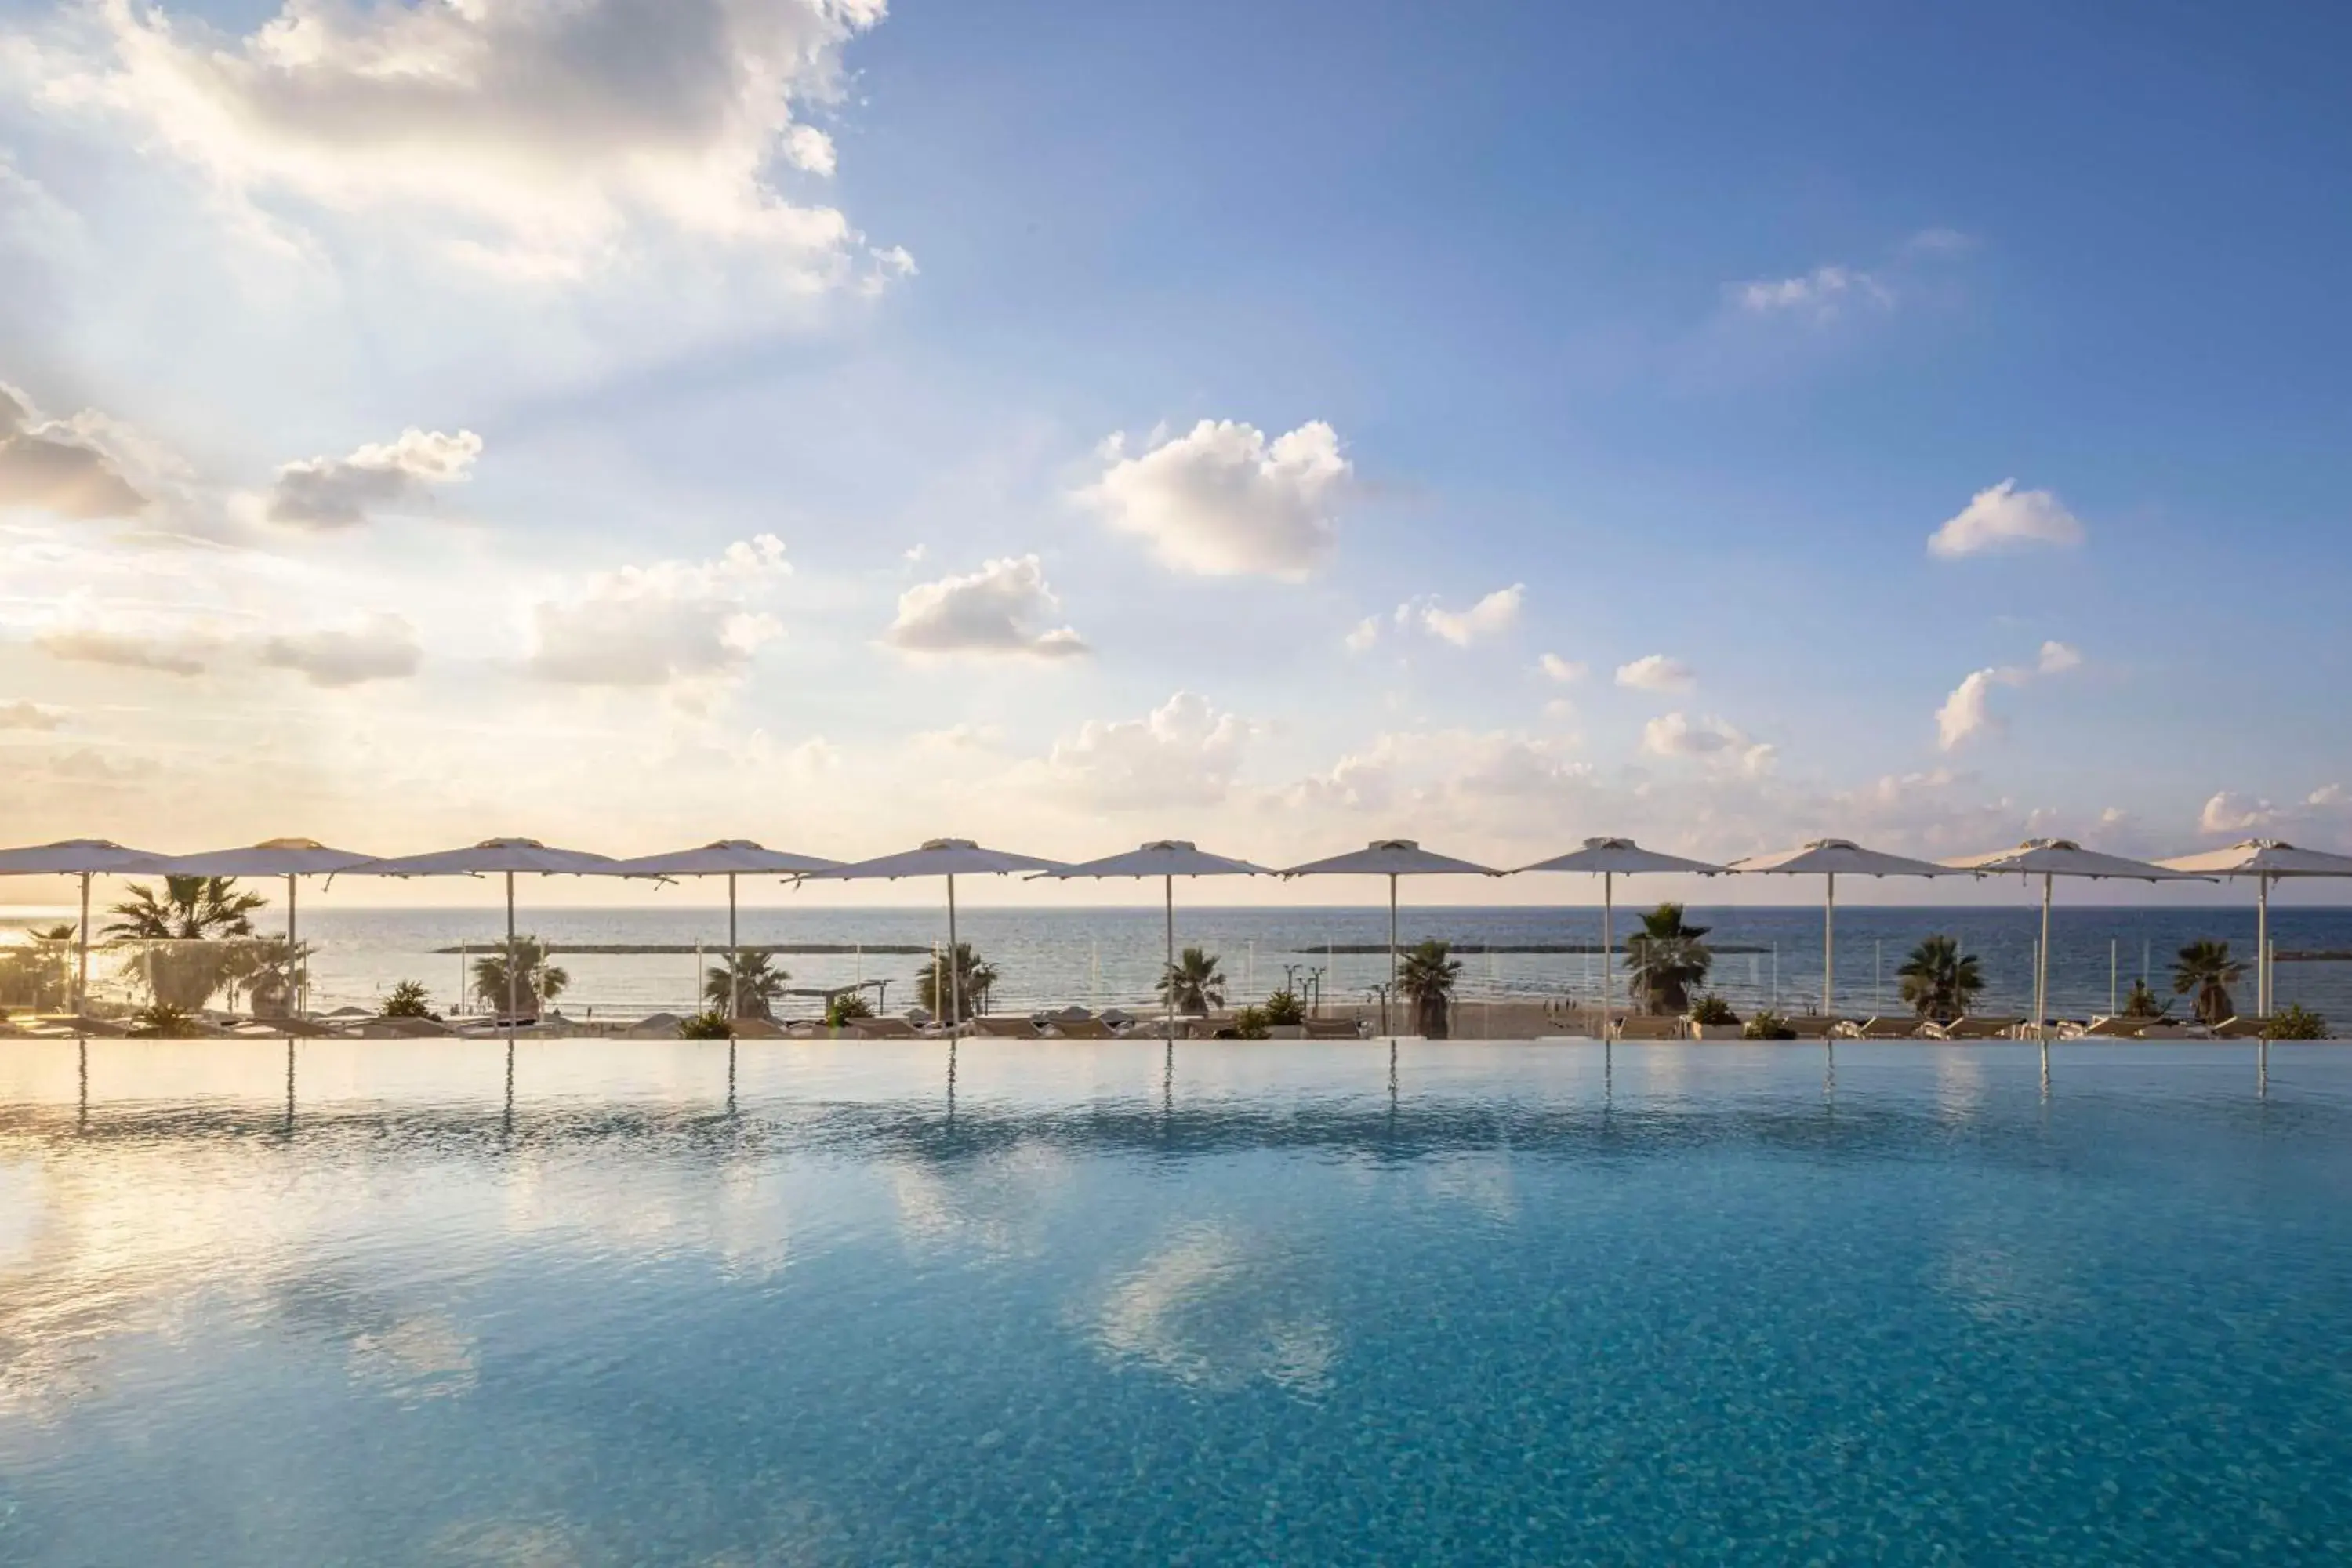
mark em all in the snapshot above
pixel 539 141
pixel 1366 634
pixel 1656 672
pixel 29 716
pixel 995 610
pixel 58 466
pixel 1497 612
pixel 380 647
pixel 342 492
pixel 2005 518
pixel 1567 672
pixel 1185 753
pixel 2328 796
pixel 1707 739
pixel 1222 501
pixel 126 651
pixel 1967 712
pixel 672 621
pixel 1820 293
pixel 2228 812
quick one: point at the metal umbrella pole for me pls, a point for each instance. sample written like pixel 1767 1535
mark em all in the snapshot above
pixel 1387 996
pixel 81 960
pixel 1608 945
pixel 1169 977
pixel 1829 949
pixel 513 1006
pixel 953 990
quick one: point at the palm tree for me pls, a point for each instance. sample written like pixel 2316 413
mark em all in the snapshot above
pixel 970 976
pixel 202 913
pixel 269 970
pixel 1195 982
pixel 1665 959
pixel 535 979
pixel 38 974
pixel 2141 1003
pixel 1425 977
pixel 2205 967
pixel 746 987
pixel 1939 981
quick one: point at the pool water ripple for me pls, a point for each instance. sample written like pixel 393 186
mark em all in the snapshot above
pixel 819 1303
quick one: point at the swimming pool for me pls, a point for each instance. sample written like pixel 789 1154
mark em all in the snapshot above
pixel 837 1303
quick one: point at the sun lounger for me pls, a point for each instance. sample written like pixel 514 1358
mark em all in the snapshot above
pixel 1812 1025
pixel 1648 1028
pixel 1079 1029
pixel 1983 1027
pixel 1334 1029
pixel 2237 1029
pixel 1882 1029
pixel 2167 1029
pixel 884 1029
pixel 1008 1028
pixel 2119 1027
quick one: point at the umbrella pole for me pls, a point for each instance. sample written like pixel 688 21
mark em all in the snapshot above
pixel 2042 976
pixel 1829 951
pixel 81 969
pixel 1169 977
pixel 953 991
pixel 734 957
pixel 512 1006
pixel 2261 946
pixel 1608 975
pixel 1390 999
pixel 293 950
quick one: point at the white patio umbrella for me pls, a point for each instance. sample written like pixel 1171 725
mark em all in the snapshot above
pixel 1391 857
pixel 730 859
pixel 1610 859
pixel 1166 858
pixel 951 858
pixel 505 856
pixel 2051 859
pixel 2266 860
pixel 1831 858
pixel 85 858
pixel 292 858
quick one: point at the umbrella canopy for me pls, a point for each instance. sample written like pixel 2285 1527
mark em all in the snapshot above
pixel 949 858
pixel 270 857
pixel 1391 857
pixel 85 858
pixel 2265 859
pixel 288 857
pixel 726 858
pixel 495 857
pixel 1610 859
pixel 730 859
pixel 1831 858
pixel 1166 858
pixel 2051 859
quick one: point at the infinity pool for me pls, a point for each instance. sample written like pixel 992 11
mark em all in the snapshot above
pixel 620 1302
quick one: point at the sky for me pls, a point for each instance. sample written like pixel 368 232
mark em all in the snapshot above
pixel 630 422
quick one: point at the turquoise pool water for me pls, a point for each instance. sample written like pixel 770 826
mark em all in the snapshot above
pixel 1515 1304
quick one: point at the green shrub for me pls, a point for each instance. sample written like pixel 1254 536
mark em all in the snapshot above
pixel 1283 1007
pixel 1251 1024
pixel 165 1021
pixel 408 999
pixel 708 1024
pixel 2296 1023
pixel 1713 1010
pixel 846 1009
pixel 1767 1027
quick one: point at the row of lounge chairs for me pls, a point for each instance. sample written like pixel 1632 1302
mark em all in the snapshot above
pixel 1905 1028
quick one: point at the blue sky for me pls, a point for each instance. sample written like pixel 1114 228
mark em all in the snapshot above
pixel 1670 332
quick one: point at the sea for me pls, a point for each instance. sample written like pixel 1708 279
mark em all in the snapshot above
pixel 1098 958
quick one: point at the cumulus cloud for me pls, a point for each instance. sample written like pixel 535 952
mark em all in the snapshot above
pixel 1185 752
pixel 995 610
pixel 1566 672
pixel 1710 740
pixel 540 141
pixel 58 466
pixel 1497 612
pixel 29 716
pixel 343 492
pixel 1820 294
pixel 380 647
pixel 1366 633
pixel 1657 672
pixel 2005 518
pixel 123 649
pixel 1967 712
pixel 1222 501
pixel 672 621
pixel 2229 812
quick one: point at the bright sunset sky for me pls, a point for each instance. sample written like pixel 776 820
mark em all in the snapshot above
pixel 636 422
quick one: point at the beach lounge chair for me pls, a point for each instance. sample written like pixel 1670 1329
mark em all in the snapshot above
pixel 884 1029
pixel 2237 1029
pixel 1978 1027
pixel 2171 1029
pixel 1008 1028
pixel 1812 1025
pixel 1334 1029
pixel 1882 1029
pixel 1643 1027
pixel 2117 1027
pixel 1079 1029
